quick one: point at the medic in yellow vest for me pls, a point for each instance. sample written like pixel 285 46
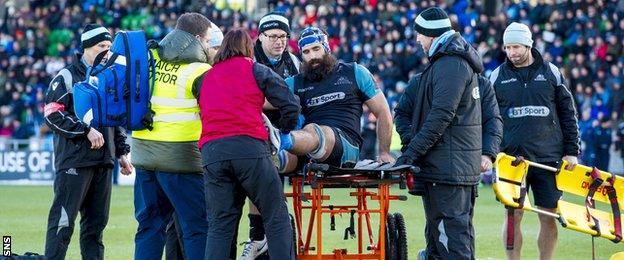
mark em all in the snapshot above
pixel 176 126
pixel 168 163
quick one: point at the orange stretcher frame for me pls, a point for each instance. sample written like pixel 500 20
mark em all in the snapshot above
pixel 362 193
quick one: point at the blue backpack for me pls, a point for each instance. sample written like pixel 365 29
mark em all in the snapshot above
pixel 118 92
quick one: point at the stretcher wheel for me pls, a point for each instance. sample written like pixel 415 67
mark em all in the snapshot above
pixel 391 238
pixel 399 221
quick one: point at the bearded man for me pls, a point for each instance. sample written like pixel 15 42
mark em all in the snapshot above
pixel 539 123
pixel 331 95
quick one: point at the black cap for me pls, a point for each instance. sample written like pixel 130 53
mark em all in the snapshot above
pixel 274 20
pixel 432 22
pixel 93 34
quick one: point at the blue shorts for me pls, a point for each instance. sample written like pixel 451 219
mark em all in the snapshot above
pixel 345 152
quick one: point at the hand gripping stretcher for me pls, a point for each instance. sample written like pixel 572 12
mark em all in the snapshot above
pixel 592 184
pixel 391 242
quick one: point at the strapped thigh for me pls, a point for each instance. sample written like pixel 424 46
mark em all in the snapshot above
pixel 344 153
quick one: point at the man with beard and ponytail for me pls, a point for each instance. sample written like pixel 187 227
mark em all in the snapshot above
pixel 539 123
pixel 269 50
pixel 331 95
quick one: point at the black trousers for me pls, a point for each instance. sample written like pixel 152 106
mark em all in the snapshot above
pixel 227 184
pixel 449 231
pixel 85 190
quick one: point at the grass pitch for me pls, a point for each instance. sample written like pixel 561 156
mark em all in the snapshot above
pixel 24 210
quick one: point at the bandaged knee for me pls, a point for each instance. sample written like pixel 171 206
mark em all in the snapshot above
pixel 319 152
pixel 282 161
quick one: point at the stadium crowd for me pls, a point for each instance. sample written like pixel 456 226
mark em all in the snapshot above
pixel 583 37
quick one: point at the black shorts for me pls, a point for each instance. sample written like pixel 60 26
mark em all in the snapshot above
pixel 345 152
pixel 544 186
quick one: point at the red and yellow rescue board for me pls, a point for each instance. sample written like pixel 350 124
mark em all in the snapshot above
pixel 510 190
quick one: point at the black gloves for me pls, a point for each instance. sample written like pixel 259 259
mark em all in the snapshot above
pixel 404 160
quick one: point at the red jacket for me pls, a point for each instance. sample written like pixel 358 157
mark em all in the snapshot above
pixel 231 102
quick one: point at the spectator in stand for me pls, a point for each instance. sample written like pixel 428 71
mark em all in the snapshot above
pixel 620 140
pixel 603 138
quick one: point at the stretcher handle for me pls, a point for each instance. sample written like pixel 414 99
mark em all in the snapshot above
pixel 544 167
pixel 548 168
pixel 547 213
pixel 555 170
pixel 521 159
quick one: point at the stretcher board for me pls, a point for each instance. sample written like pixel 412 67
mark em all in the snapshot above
pixel 373 170
pixel 366 173
pixel 509 178
pixel 574 217
pixel 578 180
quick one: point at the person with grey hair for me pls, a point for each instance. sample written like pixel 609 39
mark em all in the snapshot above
pixel 540 124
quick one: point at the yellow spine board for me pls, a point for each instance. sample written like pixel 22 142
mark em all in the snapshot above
pixel 577 181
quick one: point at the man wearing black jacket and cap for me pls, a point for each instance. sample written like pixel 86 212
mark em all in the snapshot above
pixel 446 136
pixel 83 158
pixel 269 50
pixel 540 123
pixel 492 125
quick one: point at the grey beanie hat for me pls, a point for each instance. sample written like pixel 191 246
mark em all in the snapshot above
pixel 518 33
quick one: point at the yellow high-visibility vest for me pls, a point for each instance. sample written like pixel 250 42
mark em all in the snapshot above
pixel 176 110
